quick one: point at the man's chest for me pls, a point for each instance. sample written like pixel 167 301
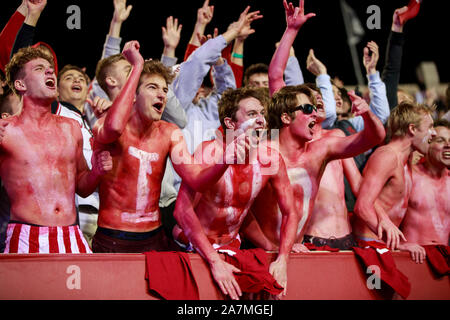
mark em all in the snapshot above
pixel 239 185
pixel 37 147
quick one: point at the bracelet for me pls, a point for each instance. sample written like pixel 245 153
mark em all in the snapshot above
pixel 237 55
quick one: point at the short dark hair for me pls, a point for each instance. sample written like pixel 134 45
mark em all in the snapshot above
pixel 284 101
pixel 442 123
pixel 4 106
pixel 69 67
pixel 228 103
pixel 254 69
pixel 156 67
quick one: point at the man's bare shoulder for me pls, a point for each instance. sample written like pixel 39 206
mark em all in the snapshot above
pixel 383 159
pixel 165 126
pixel 65 120
pixel 333 133
pixel 385 151
pixel 64 123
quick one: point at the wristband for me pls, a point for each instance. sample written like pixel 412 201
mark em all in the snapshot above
pixel 237 55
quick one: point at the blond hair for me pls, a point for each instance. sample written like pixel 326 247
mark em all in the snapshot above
pixel 403 115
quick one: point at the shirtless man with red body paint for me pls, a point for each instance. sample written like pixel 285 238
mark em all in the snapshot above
pixel 139 143
pixel 427 219
pixel 329 223
pixel 42 163
pixel 386 185
pixel 291 111
pixel 214 217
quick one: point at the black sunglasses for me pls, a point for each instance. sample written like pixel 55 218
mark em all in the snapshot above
pixel 306 108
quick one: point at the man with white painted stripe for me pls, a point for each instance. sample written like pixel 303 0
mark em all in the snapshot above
pixel 42 163
pixel 140 143
pixel 214 217
pixel 293 111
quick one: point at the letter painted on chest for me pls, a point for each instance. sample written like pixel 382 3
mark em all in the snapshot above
pixel 142 188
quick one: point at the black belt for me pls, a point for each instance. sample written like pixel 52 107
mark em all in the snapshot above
pixel 127 235
pixel 344 243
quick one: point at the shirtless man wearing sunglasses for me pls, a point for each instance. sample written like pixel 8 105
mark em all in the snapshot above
pixel 293 112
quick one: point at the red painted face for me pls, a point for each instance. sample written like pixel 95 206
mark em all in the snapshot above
pixel 39 80
pixel 151 97
pixel 302 126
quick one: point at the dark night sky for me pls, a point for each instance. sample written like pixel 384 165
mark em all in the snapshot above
pixel 426 35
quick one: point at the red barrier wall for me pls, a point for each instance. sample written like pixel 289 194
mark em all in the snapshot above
pixel 311 276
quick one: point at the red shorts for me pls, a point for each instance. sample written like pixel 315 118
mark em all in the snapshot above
pixel 24 238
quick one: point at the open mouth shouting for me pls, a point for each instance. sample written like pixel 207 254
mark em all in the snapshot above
pixel 50 83
pixel 76 88
pixel 446 155
pixel 159 106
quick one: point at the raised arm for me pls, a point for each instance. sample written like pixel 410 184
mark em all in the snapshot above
pixel 174 111
pixel 295 18
pixel 193 70
pixel 204 17
pixel 121 13
pixel 110 48
pixel 111 126
pixel 323 82
pixel 237 56
pixel 9 32
pixel 362 141
pixel 378 100
pixel 187 219
pixel 394 53
pixel 171 34
pixel 293 75
pixel 25 35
